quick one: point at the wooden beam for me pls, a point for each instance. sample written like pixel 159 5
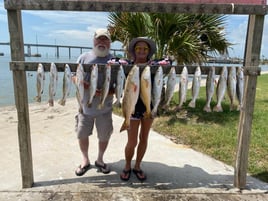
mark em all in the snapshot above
pixel 32 66
pixel 21 98
pixel 138 6
pixel 251 58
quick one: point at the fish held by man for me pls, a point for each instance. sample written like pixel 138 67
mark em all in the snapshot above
pixel 53 75
pixel 120 80
pixel 106 86
pixel 40 80
pixel 93 83
pixel 183 87
pixel 170 87
pixel 79 84
pixel 231 86
pixel 130 97
pixel 146 90
pixel 210 87
pixel 196 83
pixel 157 90
pixel 66 84
pixel 221 89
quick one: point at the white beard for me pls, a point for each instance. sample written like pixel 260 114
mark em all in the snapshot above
pixel 101 52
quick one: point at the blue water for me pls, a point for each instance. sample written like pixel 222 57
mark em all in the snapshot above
pixel 6 81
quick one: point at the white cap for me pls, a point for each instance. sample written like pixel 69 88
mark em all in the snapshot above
pixel 102 32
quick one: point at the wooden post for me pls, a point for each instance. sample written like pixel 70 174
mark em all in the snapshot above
pixel 251 60
pixel 21 97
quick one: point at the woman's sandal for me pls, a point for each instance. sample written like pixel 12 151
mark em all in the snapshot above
pixel 125 175
pixel 140 175
pixel 82 170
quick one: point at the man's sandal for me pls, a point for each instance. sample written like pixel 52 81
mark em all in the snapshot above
pixel 125 175
pixel 103 168
pixel 82 170
pixel 140 175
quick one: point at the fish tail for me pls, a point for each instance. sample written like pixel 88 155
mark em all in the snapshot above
pixel 125 126
pixel 100 106
pixel 147 115
pixel 51 102
pixel 38 99
pixel 207 108
pixel 117 104
pixel 62 102
pixel 217 108
pixel 192 104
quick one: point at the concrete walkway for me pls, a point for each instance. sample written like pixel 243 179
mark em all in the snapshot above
pixel 175 172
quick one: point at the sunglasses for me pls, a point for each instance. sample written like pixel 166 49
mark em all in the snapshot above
pixel 145 49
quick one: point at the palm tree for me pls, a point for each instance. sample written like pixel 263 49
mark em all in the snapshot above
pixel 189 38
pixel 125 26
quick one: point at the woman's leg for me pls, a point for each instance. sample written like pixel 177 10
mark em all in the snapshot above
pixel 143 141
pixel 130 147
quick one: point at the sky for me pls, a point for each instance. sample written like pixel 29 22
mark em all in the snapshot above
pixel 77 29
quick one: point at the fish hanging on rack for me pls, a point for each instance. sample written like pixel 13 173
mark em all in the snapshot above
pixel 157 90
pixel 221 89
pixel 196 83
pixel 231 86
pixel 93 84
pixel 40 81
pixel 183 87
pixel 79 83
pixel 106 86
pixel 53 75
pixel 120 80
pixel 66 85
pixel 170 86
pixel 240 87
pixel 210 87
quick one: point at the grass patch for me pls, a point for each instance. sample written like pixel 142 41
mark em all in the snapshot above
pixel 215 134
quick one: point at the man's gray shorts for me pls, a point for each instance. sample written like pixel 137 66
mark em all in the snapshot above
pixel 85 123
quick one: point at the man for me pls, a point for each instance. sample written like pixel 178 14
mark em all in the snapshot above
pixel 102 118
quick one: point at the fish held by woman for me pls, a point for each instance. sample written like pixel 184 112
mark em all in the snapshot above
pixel 131 94
pixel 146 90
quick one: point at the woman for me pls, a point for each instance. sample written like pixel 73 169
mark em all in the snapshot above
pixel 141 49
